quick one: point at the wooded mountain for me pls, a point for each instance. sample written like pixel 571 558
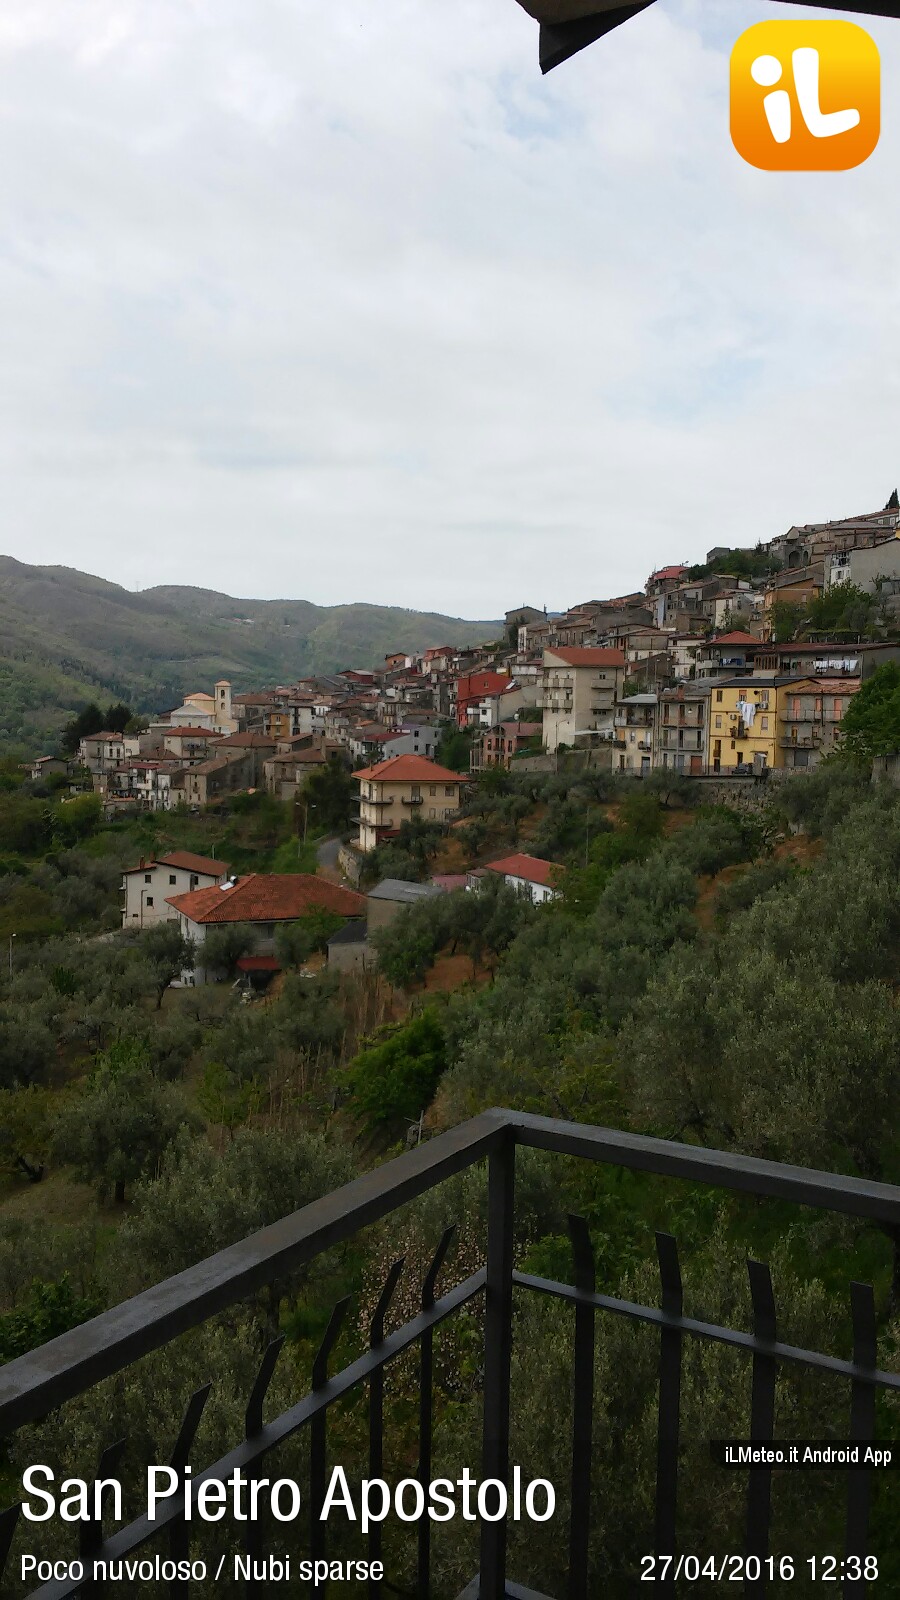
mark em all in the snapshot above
pixel 67 637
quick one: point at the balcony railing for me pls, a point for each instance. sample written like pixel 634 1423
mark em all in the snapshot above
pixel 39 1383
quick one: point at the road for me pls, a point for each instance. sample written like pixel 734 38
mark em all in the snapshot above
pixel 327 858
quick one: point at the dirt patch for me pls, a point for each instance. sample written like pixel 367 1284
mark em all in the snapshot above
pixel 799 848
pixel 450 973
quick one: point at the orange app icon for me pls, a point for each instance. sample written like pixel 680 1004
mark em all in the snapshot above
pixel 805 96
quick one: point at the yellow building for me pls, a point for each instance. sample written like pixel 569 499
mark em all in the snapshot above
pixel 277 722
pixel 404 787
pixel 744 717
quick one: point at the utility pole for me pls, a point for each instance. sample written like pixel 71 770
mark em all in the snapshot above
pixel 11 938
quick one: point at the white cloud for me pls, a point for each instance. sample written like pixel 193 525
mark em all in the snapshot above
pixel 346 302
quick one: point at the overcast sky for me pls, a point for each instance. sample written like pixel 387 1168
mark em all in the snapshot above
pixel 343 301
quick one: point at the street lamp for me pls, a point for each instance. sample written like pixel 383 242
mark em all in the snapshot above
pixel 11 938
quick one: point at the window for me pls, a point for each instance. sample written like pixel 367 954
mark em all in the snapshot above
pixel 718 722
pixel 795 707
pixel 838 708
pixel 148 900
pixel 431 811
pixel 448 788
pixel 172 878
pixel 764 723
pixel 148 877
pixel 432 788
pixel 718 696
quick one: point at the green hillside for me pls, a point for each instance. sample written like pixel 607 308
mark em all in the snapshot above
pixel 67 637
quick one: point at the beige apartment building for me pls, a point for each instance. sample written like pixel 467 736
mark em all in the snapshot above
pixel 580 690
pixel 635 716
pixel 404 787
pixel 681 728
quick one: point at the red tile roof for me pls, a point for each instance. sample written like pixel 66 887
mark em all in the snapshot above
pixel 588 658
pixel 191 733
pixel 531 868
pixel 449 881
pixel 187 861
pixel 410 769
pixel 736 637
pixel 249 741
pixel 667 572
pixel 268 897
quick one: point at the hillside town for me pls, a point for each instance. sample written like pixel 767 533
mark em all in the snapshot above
pixel 716 672
pixel 693 673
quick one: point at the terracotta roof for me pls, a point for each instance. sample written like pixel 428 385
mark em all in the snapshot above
pixel 667 572
pixel 737 637
pixel 187 861
pixel 107 736
pixel 301 758
pixel 178 732
pixel 588 658
pixel 249 741
pixel 192 863
pixel 531 868
pixel 268 897
pixel 411 769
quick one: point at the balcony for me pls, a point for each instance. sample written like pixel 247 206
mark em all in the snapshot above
pixel 43 1381
pixel 413 800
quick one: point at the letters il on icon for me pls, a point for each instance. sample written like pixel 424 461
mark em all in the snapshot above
pixel 805 96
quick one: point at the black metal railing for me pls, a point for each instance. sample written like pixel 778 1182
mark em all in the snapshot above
pixel 36 1384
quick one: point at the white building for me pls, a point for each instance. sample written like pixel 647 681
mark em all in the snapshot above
pixel 529 874
pixel 580 690
pixel 258 903
pixel 146 888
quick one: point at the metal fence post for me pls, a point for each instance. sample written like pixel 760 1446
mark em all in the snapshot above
pixel 497 1354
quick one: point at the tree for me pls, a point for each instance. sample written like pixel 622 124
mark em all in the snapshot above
pixel 204 1200
pixel 91 720
pixel 25 824
pixel 223 947
pixel 76 819
pixel 118 1129
pixel 396 1075
pixel 168 954
pixel 49 1310
pixel 409 945
pixel 295 942
pixel 844 608
pixel 453 748
pixel 785 619
pixel 226 1098
pixel 871 724
pixel 26 1130
pixel 329 795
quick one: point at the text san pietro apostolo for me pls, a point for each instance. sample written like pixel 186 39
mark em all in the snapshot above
pixel 242 1499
